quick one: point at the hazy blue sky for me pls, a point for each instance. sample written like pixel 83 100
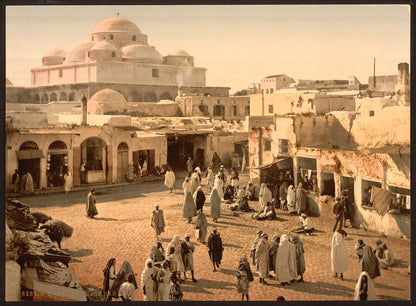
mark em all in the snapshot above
pixel 238 45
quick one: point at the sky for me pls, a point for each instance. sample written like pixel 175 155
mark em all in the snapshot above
pixel 238 45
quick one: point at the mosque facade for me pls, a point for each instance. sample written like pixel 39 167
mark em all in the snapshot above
pixel 115 56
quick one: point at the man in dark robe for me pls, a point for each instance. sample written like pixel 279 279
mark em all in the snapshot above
pixel 215 248
pixel 91 208
pixel 199 199
pixel 338 211
pixel 301 201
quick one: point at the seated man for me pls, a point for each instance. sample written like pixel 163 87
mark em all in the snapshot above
pixel 387 259
pixel 266 213
pixel 304 225
pixel 253 192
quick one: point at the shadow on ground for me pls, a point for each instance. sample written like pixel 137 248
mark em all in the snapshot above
pixel 115 193
pixel 323 288
pixel 203 284
pixel 105 219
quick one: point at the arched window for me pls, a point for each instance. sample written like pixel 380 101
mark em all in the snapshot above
pixel 111 36
pixel 36 98
pixel 134 38
pixel 53 97
pixel 123 146
pixel 134 96
pixel 62 96
pixel 113 54
pixel 29 145
pixel 45 98
pixel 166 96
pixel 149 97
pixel 71 96
pixel 57 145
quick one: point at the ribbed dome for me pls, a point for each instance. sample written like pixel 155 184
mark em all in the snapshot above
pixel 108 96
pixel 55 53
pixel 115 24
pixel 104 45
pixel 142 53
pixel 79 52
pixel 180 53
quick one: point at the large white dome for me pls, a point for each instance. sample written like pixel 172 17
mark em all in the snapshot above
pixel 116 24
pixel 104 45
pixel 142 53
pixel 108 96
pixel 55 53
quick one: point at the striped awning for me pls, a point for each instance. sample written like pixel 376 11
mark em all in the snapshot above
pixel 29 154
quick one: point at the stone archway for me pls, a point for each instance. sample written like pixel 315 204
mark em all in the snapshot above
pixel 45 98
pixel 165 96
pixel 150 97
pixel 134 96
pixel 63 97
pixel 53 97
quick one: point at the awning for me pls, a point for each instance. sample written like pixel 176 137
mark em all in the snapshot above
pixel 29 154
pixel 380 199
pixel 283 163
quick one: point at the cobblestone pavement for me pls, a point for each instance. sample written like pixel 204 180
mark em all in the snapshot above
pixel 122 230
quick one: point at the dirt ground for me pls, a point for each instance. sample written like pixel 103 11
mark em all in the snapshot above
pixel 122 230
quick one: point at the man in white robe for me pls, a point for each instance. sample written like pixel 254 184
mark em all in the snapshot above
pixel 68 181
pixel 286 261
pixel 291 199
pixel 339 255
pixel 176 243
pixel 364 289
pixel 163 279
pixel 219 184
pixel 170 179
pixel 262 258
pixel 148 281
pixel 265 195
pixel 126 291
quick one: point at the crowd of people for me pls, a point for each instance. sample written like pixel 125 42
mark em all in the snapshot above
pixel 165 269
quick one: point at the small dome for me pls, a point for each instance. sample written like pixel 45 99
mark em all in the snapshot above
pixel 55 53
pixel 108 96
pixel 104 45
pixel 180 53
pixel 115 24
pixel 79 52
pixel 142 53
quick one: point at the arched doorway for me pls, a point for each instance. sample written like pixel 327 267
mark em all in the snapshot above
pixel 36 98
pixel 149 97
pixel 45 98
pixel 57 163
pixel 53 97
pixel 94 159
pixel 122 161
pixel 134 97
pixel 29 157
pixel 166 96
pixel 71 96
pixel 62 96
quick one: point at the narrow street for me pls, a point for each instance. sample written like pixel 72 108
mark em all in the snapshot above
pixel 122 230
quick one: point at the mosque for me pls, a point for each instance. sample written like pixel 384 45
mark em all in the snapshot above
pixel 116 56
